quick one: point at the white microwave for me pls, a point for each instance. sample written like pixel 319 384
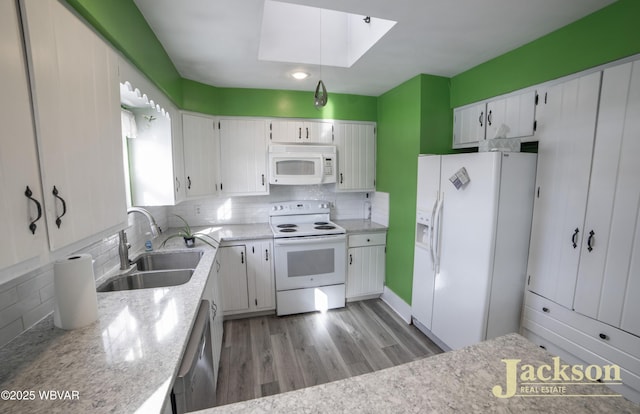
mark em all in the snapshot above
pixel 302 164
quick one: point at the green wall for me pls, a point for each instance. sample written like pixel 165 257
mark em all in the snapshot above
pixel 120 22
pixel 413 118
pixel 606 35
pixel 208 99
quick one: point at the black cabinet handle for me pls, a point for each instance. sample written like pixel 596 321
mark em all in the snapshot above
pixel 56 193
pixel 603 336
pixel 299 133
pixel 489 117
pixel 574 238
pixel 350 259
pixel 341 178
pixel 266 255
pixel 242 257
pixel 188 182
pixel 545 310
pixel 480 118
pixel 32 225
pixel 307 132
pixel 263 180
pixel 590 240
pixel 543 347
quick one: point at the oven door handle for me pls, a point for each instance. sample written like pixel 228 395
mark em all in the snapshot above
pixel 309 240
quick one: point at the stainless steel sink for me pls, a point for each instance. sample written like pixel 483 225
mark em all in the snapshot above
pixel 167 261
pixel 146 280
pixel 154 270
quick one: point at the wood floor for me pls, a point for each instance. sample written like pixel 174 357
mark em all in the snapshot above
pixel 269 354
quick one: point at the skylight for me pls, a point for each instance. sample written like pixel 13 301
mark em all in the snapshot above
pixel 295 33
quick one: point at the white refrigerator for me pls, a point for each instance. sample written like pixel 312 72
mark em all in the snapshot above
pixel 473 224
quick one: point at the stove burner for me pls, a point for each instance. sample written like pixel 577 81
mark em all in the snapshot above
pixel 324 227
pixel 286 226
pixel 287 230
pixel 320 223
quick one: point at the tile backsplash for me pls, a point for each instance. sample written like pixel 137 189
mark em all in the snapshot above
pixel 29 297
pixel 255 209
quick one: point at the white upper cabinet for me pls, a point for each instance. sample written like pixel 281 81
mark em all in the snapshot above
pixel 201 155
pixel 510 117
pixel 356 144
pixel 23 225
pixel 469 125
pixel 76 96
pixel 566 129
pixel 300 131
pixel 243 157
pixel 608 284
pixel 515 112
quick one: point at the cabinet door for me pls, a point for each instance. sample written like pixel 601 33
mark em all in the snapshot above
pixel 18 154
pixel 356 156
pixel 260 276
pixel 365 273
pixel 609 260
pixel 299 131
pixel 286 131
pixel 516 112
pixel 318 132
pixel 233 278
pixel 567 116
pixel 177 141
pixel 201 154
pixel 469 125
pixel 243 157
pixel 77 106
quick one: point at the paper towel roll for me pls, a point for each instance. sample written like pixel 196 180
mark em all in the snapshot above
pixel 75 292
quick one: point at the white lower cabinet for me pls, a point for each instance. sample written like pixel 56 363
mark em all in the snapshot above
pixel 581 340
pixel 366 257
pixel 247 276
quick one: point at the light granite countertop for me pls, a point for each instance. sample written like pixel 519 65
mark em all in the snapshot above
pixel 360 225
pixel 124 362
pixel 460 381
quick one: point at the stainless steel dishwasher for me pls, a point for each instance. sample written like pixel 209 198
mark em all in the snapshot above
pixel 194 387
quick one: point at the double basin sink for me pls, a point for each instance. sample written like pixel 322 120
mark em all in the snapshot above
pixel 154 270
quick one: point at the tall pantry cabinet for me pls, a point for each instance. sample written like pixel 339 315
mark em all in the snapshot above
pixel 584 261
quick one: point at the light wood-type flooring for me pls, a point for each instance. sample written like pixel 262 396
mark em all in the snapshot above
pixel 268 355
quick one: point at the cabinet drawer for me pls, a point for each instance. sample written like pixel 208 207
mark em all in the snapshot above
pixel 576 355
pixel 367 239
pixel 599 331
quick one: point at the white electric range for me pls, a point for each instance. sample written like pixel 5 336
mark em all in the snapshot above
pixel 309 256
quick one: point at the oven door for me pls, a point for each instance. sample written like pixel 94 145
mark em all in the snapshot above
pixel 312 261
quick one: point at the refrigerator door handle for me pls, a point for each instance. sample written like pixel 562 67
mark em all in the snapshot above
pixel 438 232
pixel 431 231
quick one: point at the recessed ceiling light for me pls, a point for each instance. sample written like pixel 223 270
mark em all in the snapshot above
pixel 300 75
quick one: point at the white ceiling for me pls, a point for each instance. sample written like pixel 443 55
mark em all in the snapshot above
pixel 216 42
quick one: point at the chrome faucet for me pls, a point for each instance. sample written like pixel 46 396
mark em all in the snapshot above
pixel 123 247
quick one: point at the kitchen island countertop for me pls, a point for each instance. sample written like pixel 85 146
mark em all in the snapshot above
pixel 460 381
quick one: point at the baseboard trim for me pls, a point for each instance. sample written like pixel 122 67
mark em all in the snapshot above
pixel 397 304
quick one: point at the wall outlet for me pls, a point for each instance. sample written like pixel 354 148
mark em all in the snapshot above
pixel 196 209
